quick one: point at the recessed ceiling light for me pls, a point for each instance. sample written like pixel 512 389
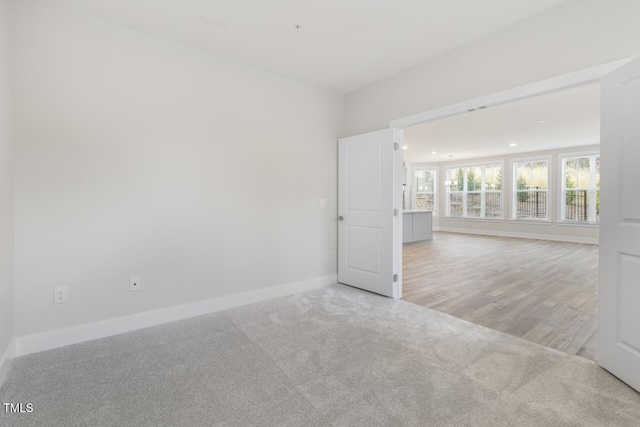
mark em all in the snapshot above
pixel 434 153
pixel 513 144
pixel 541 121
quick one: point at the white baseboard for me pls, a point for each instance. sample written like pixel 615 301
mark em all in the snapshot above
pixel 90 331
pixel 536 236
pixel 6 360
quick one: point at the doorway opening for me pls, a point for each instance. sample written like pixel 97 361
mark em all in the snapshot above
pixel 501 214
pixel 370 187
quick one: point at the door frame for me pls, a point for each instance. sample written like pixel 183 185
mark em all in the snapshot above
pixel 554 84
pixel 542 87
pixel 398 179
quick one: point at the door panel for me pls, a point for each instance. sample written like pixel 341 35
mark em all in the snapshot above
pixel 631 151
pixel 368 231
pixel 619 288
pixel 629 314
pixel 365 175
pixel 364 247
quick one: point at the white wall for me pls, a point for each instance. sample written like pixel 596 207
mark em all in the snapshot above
pixel 571 36
pixel 6 193
pixel 553 230
pixel 137 156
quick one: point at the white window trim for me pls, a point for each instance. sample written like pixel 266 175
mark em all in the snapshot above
pixel 465 192
pixel 530 221
pixel 474 218
pixel 578 224
pixel 414 192
pixel 514 188
pixel 562 183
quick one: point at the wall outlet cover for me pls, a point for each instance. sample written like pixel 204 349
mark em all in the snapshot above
pixel 61 295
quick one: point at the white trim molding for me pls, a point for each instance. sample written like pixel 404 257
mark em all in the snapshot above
pixel 519 235
pixel 565 81
pixel 6 361
pixel 90 331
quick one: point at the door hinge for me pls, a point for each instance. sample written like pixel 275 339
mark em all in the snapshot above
pixel 395 212
pixel 395 278
pixel 396 146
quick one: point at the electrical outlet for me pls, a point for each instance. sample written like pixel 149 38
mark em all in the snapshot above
pixel 61 295
pixel 134 283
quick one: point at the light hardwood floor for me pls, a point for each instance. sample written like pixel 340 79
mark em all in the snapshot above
pixel 542 291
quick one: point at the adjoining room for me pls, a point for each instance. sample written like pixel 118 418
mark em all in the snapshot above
pixel 203 205
pixel 514 193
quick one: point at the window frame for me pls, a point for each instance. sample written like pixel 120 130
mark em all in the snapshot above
pixel 514 188
pixel 414 193
pixel 483 192
pixel 562 173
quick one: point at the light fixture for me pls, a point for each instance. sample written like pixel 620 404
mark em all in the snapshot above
pixel 404 147
pixel 434 153
pixel 297 27
pixel 541 121
pixel 513 144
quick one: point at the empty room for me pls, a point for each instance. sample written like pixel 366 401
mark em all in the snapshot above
pixel 513 193
pixel 208 217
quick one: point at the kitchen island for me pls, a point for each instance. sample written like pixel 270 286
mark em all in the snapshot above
pixel 416 225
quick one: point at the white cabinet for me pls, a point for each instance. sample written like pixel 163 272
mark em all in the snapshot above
pixel 416 225
pixel 407 227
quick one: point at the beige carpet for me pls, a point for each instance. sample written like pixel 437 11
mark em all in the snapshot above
pixel 337 356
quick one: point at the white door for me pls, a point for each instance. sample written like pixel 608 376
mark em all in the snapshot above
pixel 369 195
pixel 619 291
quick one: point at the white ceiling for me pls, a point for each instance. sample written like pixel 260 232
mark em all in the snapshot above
pixel 343 44
pixel 571 118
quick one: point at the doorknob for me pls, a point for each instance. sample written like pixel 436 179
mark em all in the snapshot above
pixel 340 218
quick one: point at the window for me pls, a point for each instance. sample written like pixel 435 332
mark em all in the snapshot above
pixel 474 191
pixel 530 189
pixel 580 198
pixel 425 181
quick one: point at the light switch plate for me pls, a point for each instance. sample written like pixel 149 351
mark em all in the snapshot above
pixel 322 203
